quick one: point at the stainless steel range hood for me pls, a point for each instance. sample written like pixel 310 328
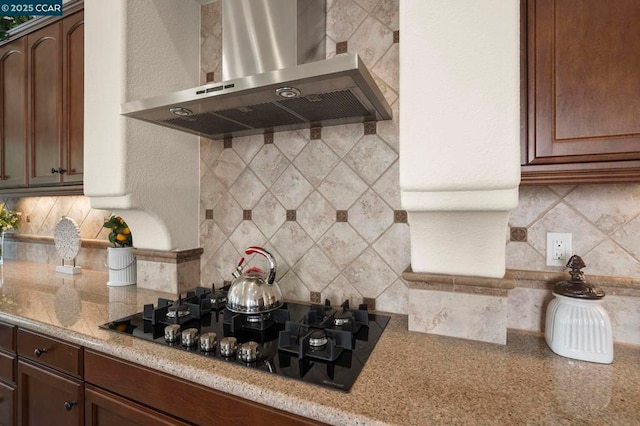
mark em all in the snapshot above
pixel 273 78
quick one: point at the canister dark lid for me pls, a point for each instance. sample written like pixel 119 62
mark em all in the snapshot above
pixel 577 286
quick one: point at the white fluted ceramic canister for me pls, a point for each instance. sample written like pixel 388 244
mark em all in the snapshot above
pixel 577 325
pixel 122 266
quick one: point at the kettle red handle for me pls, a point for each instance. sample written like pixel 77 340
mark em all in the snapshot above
pixel 272 262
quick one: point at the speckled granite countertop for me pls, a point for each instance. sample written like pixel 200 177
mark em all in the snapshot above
pixel 410 378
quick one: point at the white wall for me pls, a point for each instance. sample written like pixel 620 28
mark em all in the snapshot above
pixel 459 131
pixel 148 174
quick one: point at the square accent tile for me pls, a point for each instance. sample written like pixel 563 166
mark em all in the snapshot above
pixel 342 216
pixel 341 47
pixel 316 297
pixel 316 133
pixel 396 36
pixel 246 214
pixel 370 128
pixel 268 138
pixel 209 77
pixel 291 215
pixel 370 302
pixel 518 234
pixel 208 214
pixel 228 142
pixel 399 216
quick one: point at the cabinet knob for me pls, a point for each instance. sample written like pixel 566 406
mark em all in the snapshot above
pixel 39 352
pixel 58 170
pixel 68 405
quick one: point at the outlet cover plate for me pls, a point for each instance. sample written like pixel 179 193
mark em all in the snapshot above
pixel 558 248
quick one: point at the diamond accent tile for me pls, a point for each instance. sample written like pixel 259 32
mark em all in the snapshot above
pixel 342 216
pixel 268 164
pixel 315 297
pixel 248 146
pixel 342 187
pixel 394 247
pixel 371 40
pixel 388 186
pixel 292 242
pixel 342 138
pixel 343 18
pixel 291 143
pixel 246 235
pixel 227 214
pixel 341 47
pixel 606 206
pixel 293 289
pixel 369 274
pixel 291 215
pixel 228 167
pixel 247 189
pixel 315 161
pixel 370 216
pixel 315 215
pixel 342 244
pixel 315 270
pixel 370 158
pixel 268 215
pixel 291 188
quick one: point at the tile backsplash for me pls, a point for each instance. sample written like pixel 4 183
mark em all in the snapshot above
pixel 327 201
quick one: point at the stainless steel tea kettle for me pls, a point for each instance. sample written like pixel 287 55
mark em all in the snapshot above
pixel 252 292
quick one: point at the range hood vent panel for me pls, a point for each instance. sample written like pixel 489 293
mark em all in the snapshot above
pixel 261 116
pixel 339 90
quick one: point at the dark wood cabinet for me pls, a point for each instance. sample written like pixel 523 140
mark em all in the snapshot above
pixel 56 104
pixel 8 367
pixel 42 95
pixel 13 102
pixel 174 396
pixel 582 74
pixel 103 408
pixel 47 397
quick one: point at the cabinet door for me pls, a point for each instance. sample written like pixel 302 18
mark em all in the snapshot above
pixel 46 397
pixel 583 79
pixel 73 94
pixel 7 404
pixel 13 114
pixel 106 409
pixel 45 104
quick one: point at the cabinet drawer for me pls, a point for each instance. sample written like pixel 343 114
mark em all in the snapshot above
pixel 103 408
pixel 51 352
pixel 7 367
pixel 7 337
pixel 180 398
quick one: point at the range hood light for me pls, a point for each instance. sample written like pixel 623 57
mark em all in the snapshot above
pixel 182 112
pixel 288 92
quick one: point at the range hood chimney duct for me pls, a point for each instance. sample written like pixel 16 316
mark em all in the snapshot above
pixel 274 75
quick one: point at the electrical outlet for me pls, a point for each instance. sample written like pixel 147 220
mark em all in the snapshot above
pixel 558 248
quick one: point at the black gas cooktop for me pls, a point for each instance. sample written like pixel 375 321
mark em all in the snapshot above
pixel 320 344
